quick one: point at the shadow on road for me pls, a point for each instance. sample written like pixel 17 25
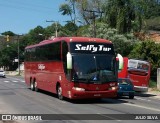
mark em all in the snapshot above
pixel 88 101
pixel 144 94
pixel 97 101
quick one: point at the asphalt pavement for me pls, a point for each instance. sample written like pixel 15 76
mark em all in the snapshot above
pixel 17 98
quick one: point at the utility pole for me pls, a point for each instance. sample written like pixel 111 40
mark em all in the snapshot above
pixel 56 26
pixel 93 17
pixel 18 52
pixel 18 56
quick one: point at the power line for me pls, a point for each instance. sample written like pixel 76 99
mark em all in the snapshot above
pixel 24 7
pixel 25 4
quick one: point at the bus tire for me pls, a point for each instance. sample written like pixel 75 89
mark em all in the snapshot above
pixel 32 86
pixel 59 92
pixel 35 86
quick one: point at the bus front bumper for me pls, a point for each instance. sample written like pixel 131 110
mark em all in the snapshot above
pixel 140 88
pixel 91 94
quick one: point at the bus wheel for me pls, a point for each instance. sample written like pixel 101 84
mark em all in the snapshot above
pixel 32 85
pixel 59 93
pixel 35 86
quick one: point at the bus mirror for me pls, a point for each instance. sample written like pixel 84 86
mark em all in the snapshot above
pixel 69 60
pixel 120 61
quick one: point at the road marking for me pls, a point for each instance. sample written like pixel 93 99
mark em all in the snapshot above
pixel 142 99
pixel 6 81
pixel 142 107
pixel 14 81
pixel 22 81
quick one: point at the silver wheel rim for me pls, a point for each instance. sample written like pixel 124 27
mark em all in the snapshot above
pixel 35 84
pixel 60 91
pixel 31 85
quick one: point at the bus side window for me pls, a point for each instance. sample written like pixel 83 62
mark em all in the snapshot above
pixel 64 55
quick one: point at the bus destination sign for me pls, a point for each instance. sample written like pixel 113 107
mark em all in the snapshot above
pixel 93 48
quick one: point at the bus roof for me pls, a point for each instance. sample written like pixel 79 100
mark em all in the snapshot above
pixel 70 39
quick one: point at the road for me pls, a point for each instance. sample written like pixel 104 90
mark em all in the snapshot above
pixel 17 98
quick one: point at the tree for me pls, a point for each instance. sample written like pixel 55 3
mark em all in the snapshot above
pixel 35 35
pixel 10 33
pixel 66 10
pixel 73 4
pixel 123 44
pixel 124 14
pixel 8 54
pixel 71 28
pixel 153 9
pixel 84 6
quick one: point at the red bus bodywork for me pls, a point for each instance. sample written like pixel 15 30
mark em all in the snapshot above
pixel 139 76
pixel 124 73
pixel 48 75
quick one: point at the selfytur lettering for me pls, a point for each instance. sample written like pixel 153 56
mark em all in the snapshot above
pixel 92 48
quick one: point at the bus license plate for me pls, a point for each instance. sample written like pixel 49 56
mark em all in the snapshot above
pixel 125 93
pixel 97 95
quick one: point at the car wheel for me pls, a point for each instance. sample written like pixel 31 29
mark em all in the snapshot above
pixel 59 92
pixel 131 96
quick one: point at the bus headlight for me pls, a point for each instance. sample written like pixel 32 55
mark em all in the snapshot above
pixel 78 89
pixel 113 88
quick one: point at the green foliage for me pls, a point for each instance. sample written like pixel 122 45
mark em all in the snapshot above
pixel 34 36
pixel 66 9
pixel 70 28
pixel 153 9
pixel 123 43
pixel 153 24
pixel 51 30
pixel 8 54
pixel 10 33
pixel 124 15
pixel 152 84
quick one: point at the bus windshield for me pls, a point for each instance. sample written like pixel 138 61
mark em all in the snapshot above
pixel 94 68
pixel 138 65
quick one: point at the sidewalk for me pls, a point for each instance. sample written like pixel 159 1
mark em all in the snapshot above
pixel 154 92
pixel 14 73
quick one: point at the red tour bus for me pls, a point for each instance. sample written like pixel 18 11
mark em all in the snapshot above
pixel 72 67
pixel 138 71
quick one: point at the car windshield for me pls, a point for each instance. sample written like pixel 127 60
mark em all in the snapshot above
pixel 94 68
pixel 124 81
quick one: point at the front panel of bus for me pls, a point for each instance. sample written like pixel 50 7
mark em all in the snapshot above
pixel 93 72
pixel 139 73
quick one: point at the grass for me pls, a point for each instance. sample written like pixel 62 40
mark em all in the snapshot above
pixel 152 84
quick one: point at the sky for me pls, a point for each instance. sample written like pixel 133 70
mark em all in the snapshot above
pixel 20 16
